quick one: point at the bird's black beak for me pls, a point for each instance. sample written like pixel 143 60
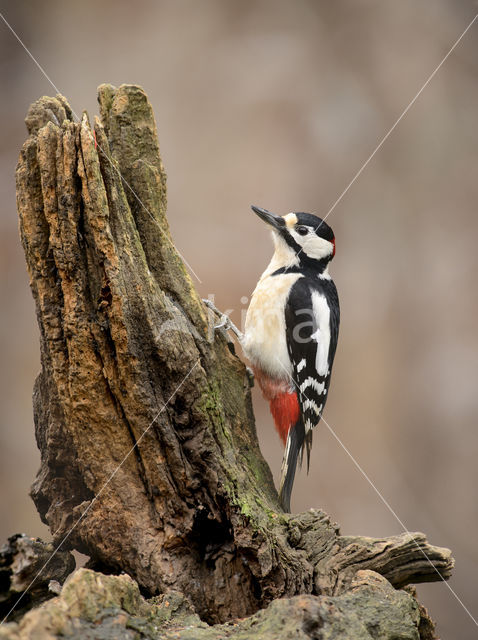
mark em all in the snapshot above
pixel 271 218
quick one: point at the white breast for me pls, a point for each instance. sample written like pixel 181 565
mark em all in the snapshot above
pixel 264 336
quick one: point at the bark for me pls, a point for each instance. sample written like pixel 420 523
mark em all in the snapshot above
pixel 130 359
pixel 95 606
pixel 21 560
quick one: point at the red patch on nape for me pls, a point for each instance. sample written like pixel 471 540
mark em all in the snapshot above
pixel 285 411
pixel 333 242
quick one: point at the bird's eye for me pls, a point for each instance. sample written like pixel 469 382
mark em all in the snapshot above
pixel 302 231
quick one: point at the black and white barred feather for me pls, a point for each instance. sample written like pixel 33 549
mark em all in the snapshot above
pixel 312 317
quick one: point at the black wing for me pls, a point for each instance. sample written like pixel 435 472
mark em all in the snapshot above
pixel 312 322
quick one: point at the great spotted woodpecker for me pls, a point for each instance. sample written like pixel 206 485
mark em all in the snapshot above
pixel 291 332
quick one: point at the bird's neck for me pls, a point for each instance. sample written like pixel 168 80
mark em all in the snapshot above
pixel 285 260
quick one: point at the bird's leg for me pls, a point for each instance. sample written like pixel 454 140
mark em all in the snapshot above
pixel 225 322
pixel 226 325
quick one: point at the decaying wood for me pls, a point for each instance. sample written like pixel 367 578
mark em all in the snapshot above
pixel 26 568
pixel 129 359
pixel 92 605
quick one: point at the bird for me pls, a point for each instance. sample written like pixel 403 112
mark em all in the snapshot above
pixel 291 332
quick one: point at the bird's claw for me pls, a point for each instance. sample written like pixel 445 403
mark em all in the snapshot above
pixel 225 322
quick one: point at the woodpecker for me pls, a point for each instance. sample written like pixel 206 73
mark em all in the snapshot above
pixel 291 332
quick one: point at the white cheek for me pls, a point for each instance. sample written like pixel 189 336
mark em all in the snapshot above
pixel 313 246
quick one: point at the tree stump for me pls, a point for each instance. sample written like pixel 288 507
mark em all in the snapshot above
pixel 149 457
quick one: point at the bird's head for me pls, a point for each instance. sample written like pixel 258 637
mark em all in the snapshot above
pixel 303 238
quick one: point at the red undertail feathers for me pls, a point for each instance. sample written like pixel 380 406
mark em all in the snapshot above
pixel 283 402
pixel 285 411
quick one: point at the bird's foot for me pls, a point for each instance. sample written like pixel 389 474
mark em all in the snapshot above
pixel 225 323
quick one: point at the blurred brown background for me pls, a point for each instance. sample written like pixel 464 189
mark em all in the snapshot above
pixel 279 103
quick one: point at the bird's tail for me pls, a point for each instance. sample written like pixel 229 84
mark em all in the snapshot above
pixel 293 447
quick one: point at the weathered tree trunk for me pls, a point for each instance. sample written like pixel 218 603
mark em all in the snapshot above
pixel 129 359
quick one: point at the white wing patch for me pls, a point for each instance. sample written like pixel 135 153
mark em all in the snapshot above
pixel 301 365
pixel 311 405
pixel 312 382
pixel 322 334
